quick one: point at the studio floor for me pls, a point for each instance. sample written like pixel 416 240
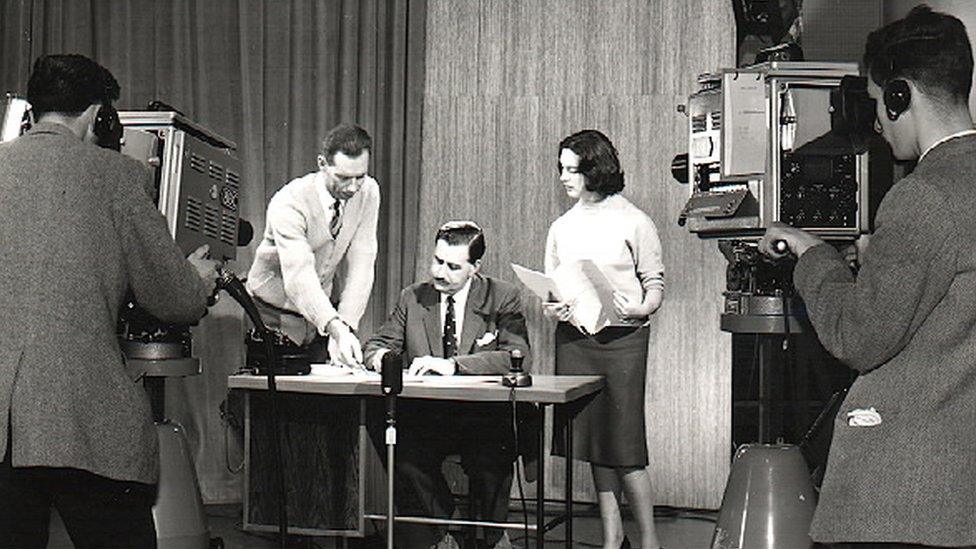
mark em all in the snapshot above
pixel 676 529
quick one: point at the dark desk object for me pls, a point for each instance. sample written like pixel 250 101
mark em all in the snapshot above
pixel 342 512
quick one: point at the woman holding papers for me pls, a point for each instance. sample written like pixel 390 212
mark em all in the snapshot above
pixel 604 230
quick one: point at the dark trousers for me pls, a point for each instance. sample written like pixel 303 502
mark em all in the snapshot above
pixel 97 511
pixel 427 433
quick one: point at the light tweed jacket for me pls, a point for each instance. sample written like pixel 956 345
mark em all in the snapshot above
pixel 77 230
pixel 908 325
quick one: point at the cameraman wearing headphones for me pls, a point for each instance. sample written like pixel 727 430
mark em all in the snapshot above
pixel 902 465
pixel 78 230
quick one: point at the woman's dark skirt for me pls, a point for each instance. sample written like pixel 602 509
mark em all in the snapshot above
pixel 609 427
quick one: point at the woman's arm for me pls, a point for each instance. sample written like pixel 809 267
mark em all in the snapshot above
pixel 630 309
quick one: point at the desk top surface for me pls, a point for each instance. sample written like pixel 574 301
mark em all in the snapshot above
pixel 545 389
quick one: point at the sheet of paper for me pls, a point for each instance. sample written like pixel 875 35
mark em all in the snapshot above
pixel 453 381
pixel 329 369
pixel 744 124
pixel 538 283
pixel 430 379
pixel 604 292
pixel 366 375
pixel 340 372
pixel 583 283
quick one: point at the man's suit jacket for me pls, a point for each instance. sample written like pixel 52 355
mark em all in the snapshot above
pixel 493 326
pixel 77 230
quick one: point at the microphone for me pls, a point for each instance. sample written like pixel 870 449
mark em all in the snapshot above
pixel 391 375
pixel 516 376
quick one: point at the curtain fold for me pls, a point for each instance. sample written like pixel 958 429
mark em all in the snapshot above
pixel 272 77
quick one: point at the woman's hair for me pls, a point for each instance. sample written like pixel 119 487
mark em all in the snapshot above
pixel 598 161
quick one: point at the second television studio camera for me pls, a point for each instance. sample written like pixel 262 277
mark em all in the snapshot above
pixel 197 189
pixel 782 141
pixel 196 186
pixel 789 142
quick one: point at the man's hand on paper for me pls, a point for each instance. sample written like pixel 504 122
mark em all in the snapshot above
pixel 432 365
pixel 560 310
pixel 344 347
pixel 627 308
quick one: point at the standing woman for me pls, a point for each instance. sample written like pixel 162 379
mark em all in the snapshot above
pixel 621 240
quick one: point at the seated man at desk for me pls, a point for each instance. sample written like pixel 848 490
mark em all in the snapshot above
pixel 459 322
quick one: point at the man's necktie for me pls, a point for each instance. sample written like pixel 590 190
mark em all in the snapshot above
pixel 450 343
pixel 336 222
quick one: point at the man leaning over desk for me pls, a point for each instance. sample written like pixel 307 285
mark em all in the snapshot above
pixel 458 322
pixel 321 233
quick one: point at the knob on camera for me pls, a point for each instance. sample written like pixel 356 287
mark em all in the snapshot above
pixel 516 376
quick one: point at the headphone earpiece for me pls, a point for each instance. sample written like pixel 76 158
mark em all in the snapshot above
pixel 897 98
pixel 108 128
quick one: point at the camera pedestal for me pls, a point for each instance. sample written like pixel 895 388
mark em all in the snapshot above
pixel 179 515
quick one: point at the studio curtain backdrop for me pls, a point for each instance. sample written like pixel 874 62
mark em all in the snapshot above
pixel 272 76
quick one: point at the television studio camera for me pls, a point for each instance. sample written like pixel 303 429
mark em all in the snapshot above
pixel 196 186
pixel 789 142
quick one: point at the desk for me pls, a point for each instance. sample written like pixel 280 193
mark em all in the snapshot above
pixel 546 390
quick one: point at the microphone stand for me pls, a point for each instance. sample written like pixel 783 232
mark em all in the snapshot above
pixel 390 451
pixel 392 384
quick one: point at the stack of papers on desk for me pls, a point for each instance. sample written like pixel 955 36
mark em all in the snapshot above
pixel 361 374
pixel 329 369
pixel 581 282
pixel 453 381
pixel 340 372
pixel 345 373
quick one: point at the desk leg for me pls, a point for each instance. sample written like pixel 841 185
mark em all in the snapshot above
pixel 540 492
pixel 245 509
pixel 568 488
